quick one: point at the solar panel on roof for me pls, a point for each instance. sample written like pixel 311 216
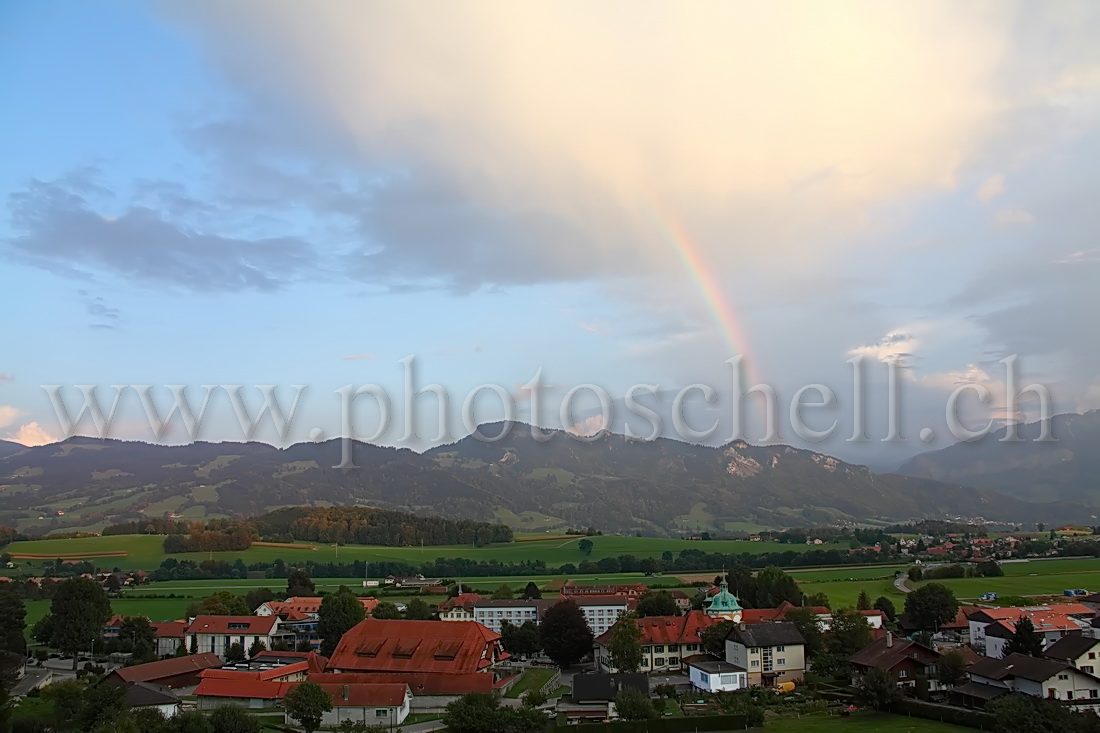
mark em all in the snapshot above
pixel 370 647
pixel 404 648
pixel 448 650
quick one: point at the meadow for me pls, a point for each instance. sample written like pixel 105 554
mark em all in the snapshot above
pixel 145 552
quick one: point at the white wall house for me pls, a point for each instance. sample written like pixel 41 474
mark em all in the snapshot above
pixel 714 675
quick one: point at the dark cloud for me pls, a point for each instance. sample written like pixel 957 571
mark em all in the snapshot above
pixel 61 230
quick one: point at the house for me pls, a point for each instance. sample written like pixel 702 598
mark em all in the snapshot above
pixel 772 653
pixel 147 695
pixel 665 641
pixel 1050 627
pixel 314 661
pixel 601 612
pixel 905 660
pixel 1075 616
pixel 216 634
pixel 215 692
pixel 169 636
pixel 386 704
pixel 425 647
pixel 172 673
pixel 779 613
pixel 1079 652
pixel 1033 676
pixel 459 608
pixel 714 675
pixel 304 605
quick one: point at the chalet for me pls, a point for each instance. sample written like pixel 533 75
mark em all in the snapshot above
pixel 665 641
pixel 172 673
pixel 1033 676
pixel 216 634
pixel 147 695
pixel 418 647
pixel 905 660
pixel 771 653
pixel 459 608
pixel 1080 652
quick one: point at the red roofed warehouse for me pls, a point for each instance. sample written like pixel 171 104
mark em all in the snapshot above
pixel 457 647
pixel 176 672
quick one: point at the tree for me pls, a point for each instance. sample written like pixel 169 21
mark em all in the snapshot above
pixel 523 640
pixel 624 645
pixel 222 603
pixel 585 546
pixel 101 704
pixel 820 598
pixel 229 719
pixel 79 610
pixel 257 597
pixel 1025 640
pixel 565 635
pixel 191 721
pixel 138 636
pixel 385 609
pixel 181 650
pixel 256 647
pixel 633 704
pixel 482 713
pixel 657 603
pixel 307 703
pixel 531 590
pixel 534 698
pixel 298 583
pixel 989 569
pixel 713 638
pixel 773 586
pixel 235 652
pixel 339 612
pixel 503 593
pixel 13 621
pixel 931 605
pixel 114 585
pixel 809 626
pixel 951 669
pixel 885 605
pixel 194 649
pixel 418 610
pixel 848 633
pixel 863 603
pixel 877 689
pixel 42 631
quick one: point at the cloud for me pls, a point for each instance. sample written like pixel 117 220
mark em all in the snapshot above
pixel 7 377
pixel 898 343
pixel 1011 218
pixel 9 414
pixel 1080 257
pixel 32 434
pixel 553 141
pixel 992 187
pixel 357 357
pixel 61 228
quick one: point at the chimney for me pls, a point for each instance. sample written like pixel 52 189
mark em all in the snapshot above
pixel 743 626
pixel 344 691
pixel 889 639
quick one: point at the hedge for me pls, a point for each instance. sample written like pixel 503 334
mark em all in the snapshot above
pixel 945 714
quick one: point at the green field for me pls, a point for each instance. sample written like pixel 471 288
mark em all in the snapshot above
pixel 144 552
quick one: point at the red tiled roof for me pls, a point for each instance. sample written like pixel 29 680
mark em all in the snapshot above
pixel 464 600
pixel 668 629
pixel 262 625
pixel 311 604
pixel 886 656
pixel 779 613
pixel 420 684
pixel 169 629
pixel 392 645
pixel 375 695
pixel 154 671
pixel 219 687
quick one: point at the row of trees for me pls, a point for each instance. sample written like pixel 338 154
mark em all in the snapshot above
pixel 238 539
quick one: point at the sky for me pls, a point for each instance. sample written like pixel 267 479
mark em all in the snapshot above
pixel 583 193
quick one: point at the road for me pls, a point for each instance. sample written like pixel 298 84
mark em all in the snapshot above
pixel 899 583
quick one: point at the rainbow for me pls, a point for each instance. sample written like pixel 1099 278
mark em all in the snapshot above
pixel 699 270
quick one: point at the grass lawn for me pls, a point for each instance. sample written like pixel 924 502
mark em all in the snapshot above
pixel 145 552
pixel 859 723
pixel 533 679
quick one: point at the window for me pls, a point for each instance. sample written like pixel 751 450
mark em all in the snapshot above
pixel 781 662
pixel 691 647
pixel 673 661
pixel 1092 655
pixel 660 649
pixel 1094 693
pixel 674 647
pixel 1063 676
pixel 659 662
pixel 903 673
pixel 645 662
pixel 1069 694
pixel 755 663
pixel 781 648
pixel 1087 669
pixel 380 713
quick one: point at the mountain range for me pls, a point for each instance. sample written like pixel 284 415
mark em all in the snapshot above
pixel 613 483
